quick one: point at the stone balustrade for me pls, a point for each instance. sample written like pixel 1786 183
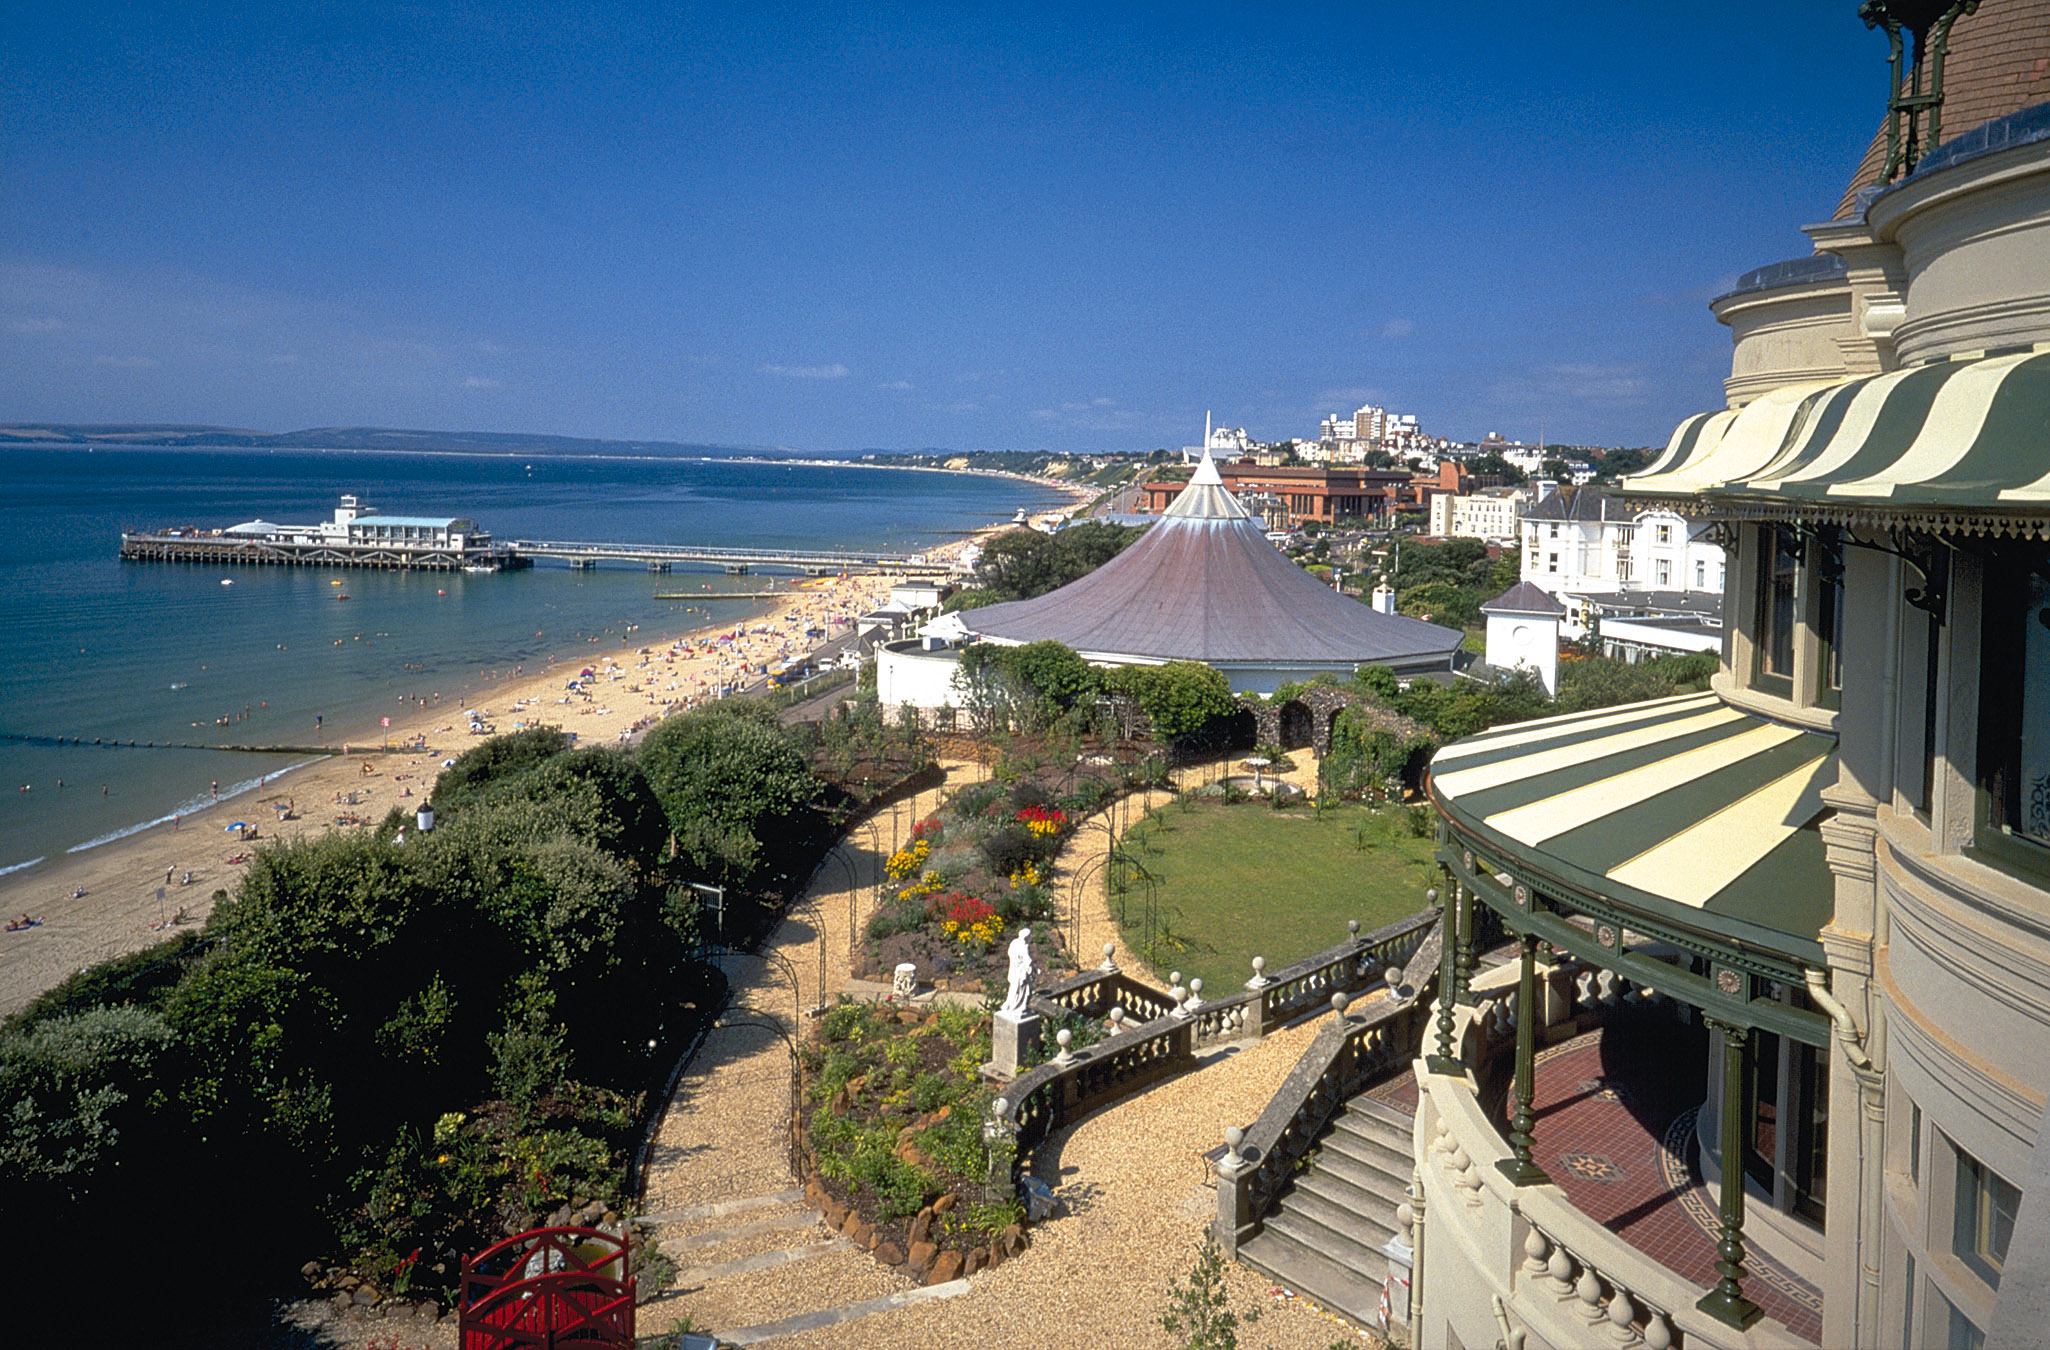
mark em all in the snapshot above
pixel 1351 1051
pixel 1155 1035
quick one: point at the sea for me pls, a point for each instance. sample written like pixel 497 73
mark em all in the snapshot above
pixel 101 649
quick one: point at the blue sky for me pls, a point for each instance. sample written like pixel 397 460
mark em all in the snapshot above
pixel 1073 227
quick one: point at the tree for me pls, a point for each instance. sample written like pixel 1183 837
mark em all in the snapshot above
pixel 735 787
pixel 1020 564
pixel 1182 698
pixel 73 1086
pixel 499 757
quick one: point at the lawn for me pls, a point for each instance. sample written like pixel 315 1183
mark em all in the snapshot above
pixel 1232 882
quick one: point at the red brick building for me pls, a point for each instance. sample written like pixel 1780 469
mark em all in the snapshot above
pixel 1327 495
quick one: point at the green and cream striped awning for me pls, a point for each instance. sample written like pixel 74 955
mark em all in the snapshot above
pixel 1682 808
pixel 1957 437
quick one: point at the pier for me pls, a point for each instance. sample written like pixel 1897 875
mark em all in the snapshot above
pixel 737 561
pixel 361 536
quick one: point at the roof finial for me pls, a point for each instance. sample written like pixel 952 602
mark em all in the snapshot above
pixel 1928 24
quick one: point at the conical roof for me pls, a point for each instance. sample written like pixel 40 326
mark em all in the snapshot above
pixel 1206 585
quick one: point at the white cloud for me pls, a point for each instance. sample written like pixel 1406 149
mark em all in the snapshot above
pixel 836 371
pixel 126 362
pixel 1397 328
pixel 490 348
pixel 897 384
pixel 35 325
pixel 481 382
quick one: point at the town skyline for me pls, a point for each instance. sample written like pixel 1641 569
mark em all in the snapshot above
pixel 1044 229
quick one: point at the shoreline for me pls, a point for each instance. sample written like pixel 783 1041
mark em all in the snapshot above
pixel 135 884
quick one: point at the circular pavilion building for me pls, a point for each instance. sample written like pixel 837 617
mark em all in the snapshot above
pixel 1204 584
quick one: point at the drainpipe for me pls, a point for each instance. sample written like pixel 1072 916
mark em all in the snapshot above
pixel 1871 1119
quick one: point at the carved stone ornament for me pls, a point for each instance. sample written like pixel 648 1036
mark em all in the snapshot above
pixel 1605 935
pixel 1522 894
pixel 1729 981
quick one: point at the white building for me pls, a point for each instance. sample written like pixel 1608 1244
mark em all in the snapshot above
pixel 1494 514
pixel 1816 894
pixel 1580 542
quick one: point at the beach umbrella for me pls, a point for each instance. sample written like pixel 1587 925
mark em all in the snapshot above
pixel 239 825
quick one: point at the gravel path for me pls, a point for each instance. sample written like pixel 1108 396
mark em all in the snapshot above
pixel 1135 1186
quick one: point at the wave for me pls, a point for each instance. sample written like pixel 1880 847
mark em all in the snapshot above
pixel 16 867
pixel 193 807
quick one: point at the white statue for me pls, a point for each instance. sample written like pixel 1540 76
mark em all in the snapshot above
pixel 1019 995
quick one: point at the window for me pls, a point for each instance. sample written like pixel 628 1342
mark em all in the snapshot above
pixel 1665 573
pixel 1700 574
pixel 1908 1307
pixel 1551 562
pixel 1829 627
pixel 1665 534
pixel 1776 615
pixel 1983 1217
pixel 1959 1333
pixel 1555 531
pixel 2014 707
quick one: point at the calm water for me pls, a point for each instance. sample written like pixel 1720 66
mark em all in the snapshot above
pixel 143 651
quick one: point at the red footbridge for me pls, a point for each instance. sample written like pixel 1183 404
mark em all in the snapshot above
pixel 549 1288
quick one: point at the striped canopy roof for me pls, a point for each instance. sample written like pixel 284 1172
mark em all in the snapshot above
pixel 1683 808
pixel 1965 439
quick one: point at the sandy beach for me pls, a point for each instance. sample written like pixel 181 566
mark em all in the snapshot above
pixel 136 890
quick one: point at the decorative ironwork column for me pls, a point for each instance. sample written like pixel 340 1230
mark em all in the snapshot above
pixel 1518 1167
pixel 1445 1061
pixel 1726 1302
pixel 1462 965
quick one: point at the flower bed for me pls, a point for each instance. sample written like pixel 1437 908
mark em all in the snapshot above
pixel 973 871
pixel 892 1121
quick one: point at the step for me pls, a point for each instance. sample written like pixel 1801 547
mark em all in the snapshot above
pixel 826 1317
pixel 1351 1293
pixel 747 1265
pixel 719 1237
pixel 1372 1176
pixel 1378 1120
pixel 1368 1153
pixel 1340 1215
pixel 721 1209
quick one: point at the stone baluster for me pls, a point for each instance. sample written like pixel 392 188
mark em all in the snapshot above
pixel 1622 1313
pixel 1536 1254
pixel 1561 1274
pixel 1658 1332
pixel 1589 1292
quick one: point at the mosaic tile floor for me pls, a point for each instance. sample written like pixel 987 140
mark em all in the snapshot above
pixel 1615 1130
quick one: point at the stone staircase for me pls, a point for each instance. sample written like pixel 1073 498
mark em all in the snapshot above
pixel 1324 1235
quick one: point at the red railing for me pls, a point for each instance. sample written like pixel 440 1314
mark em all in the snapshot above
pixel 548 1288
